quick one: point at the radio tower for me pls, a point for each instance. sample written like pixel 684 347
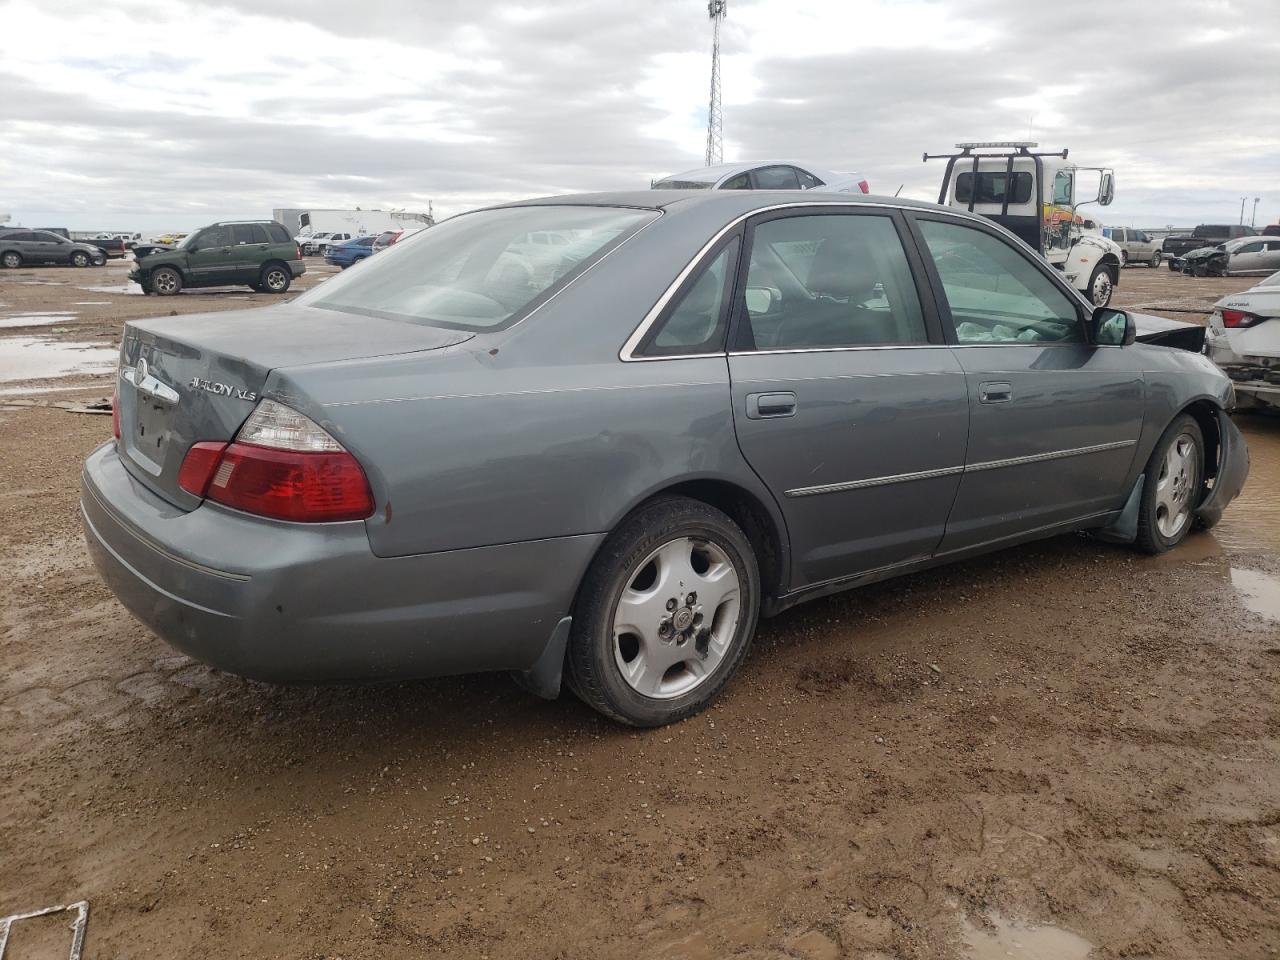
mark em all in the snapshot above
pixel 715 118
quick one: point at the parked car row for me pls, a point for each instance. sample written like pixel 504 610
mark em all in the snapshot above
pixel 1245 257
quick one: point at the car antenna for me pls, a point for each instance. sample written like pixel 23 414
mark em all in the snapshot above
pixel 899 190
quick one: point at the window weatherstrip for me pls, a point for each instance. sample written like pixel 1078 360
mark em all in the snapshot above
pixel 626 354
pixel 952 471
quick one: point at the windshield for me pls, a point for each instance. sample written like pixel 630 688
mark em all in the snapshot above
pixel 480 271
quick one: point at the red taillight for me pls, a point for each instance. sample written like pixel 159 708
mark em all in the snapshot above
pixel 299 249
pixel 115 413
pixel 864 186
pixel 291 485
pixel 1239 319
pixel 198 466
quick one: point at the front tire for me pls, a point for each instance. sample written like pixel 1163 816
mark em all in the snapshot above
pixel 1101 285
pixel 1172 488
pixel 79 259
pixel 165 281
pixel 1154 262
pixel 665 614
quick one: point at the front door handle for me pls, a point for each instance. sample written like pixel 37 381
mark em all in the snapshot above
pixel 995 391
pixel 763 406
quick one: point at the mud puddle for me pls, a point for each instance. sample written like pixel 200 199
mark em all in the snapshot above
pixel 35 358
pixel 36 319
pixel 1259 592
pixel 1252 522
pixel 130 289
pixel 1005 939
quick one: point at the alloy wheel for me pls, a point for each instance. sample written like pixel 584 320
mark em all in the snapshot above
pixel 164 282
pixel 275 280
pixel 1174 487
pixel 1101 291
pixel 676 618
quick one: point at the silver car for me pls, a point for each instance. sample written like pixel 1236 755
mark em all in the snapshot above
pixel 600 461
pixel 1136 246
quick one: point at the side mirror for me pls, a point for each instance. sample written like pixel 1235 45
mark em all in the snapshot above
pixel 1112 328
pixel 1107 188
pixel 762 299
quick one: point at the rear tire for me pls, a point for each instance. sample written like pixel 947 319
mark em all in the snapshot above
pixel 165 281
pixel 1173 487
pixel 665 614
pixel 11 260
pixel 275 278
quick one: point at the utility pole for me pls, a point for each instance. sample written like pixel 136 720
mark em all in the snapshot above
pixel 715 118
pixel 1242 200
pixel 1253 218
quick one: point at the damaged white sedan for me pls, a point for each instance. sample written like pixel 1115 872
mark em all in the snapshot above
pixel 1244 340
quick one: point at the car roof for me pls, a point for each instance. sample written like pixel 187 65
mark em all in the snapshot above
pixel 734 202
pixel 719 171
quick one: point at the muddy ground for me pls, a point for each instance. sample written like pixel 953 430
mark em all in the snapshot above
pixel 1061 748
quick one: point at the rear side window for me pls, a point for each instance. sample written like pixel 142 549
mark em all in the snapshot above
pixel 22 237
pixel 278 233
pixel 249 233
pixel 993 186
pixel 828 281
pixel 807 180
pixel 696 320
pixel 741 182
pixel 997 295
pixel 776 178
pixel 480 271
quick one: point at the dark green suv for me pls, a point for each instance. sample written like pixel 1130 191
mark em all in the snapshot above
pixel 259 253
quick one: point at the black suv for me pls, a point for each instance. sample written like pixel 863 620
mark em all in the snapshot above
pixel 32 247
pixel 259 253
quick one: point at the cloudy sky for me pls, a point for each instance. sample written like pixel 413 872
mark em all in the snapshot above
pixel 151 115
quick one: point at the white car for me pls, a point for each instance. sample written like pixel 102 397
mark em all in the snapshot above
pixel 317 243
pixel 764 175
pixel 1244 340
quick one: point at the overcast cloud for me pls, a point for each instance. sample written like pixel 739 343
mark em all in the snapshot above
pixel 150 115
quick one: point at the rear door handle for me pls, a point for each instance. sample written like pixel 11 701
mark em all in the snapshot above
pixel 995 391
pixel 763 406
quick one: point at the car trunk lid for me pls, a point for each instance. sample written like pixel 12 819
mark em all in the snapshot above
pixel 187 379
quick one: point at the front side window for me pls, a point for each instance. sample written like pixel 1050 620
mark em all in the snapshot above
pixel 996 294
pixel 1249 248
pixel 807 180
pixel 837 280
pixel 210 237
pixel 1062 192
pixel 776 178
pixel 741 182
pixel 48 237
pixel 695 322
pixel 479 271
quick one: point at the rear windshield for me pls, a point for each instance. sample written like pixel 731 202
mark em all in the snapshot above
pixel 1210 230
pixel 480 271
pixel 991 187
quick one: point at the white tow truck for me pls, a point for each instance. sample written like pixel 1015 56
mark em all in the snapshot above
pixel 1037 196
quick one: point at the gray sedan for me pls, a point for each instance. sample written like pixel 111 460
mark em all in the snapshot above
pixel 601 461
pixel 31 248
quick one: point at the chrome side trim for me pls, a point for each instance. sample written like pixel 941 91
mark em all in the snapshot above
pixel 952 471
pixel 873 482
pixel 633 341
pixel 1052 455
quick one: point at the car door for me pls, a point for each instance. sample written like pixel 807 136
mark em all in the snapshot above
pixel 209 257
pixel 1271 256
pixel 1054 420
pixel 249 242
pixel 50 248
pixel 846 401
pixel 1246 257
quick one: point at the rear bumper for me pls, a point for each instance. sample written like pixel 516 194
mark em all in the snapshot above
pixel 310 602
pixel 1254 376
pixel 297 268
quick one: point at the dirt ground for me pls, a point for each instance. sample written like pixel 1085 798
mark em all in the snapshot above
pixel 1063 750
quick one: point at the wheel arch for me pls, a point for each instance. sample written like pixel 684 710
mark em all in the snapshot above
pixel 764 526
pixel 274 261
pixel 1204 412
